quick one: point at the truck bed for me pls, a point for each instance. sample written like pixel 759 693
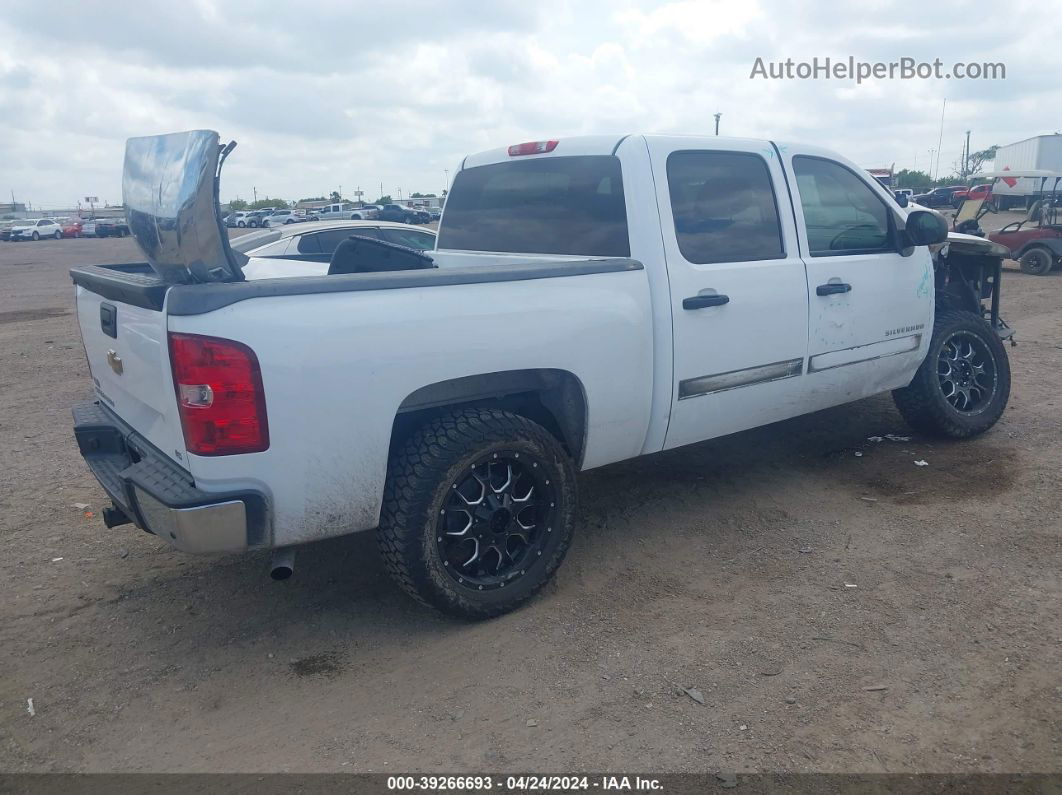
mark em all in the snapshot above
pixel 343 356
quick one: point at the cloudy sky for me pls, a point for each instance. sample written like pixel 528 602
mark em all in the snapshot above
pixel 322 94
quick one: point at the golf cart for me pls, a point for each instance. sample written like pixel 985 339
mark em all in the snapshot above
pixel 1036 241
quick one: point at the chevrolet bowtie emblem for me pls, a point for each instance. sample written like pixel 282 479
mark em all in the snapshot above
pixel 115 361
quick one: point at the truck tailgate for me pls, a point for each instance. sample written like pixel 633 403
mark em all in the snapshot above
pixel 129 364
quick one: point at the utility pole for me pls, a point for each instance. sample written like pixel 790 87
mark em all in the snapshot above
pixel 966 157
pixel 717 123
pixel 255 194
pixel 940 138
pixel 446 180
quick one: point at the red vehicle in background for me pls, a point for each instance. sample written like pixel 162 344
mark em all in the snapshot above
pixel 973 194
pixel 72 227
pixel 1036 241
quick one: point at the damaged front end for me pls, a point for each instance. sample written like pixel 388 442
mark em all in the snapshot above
pixel 968 273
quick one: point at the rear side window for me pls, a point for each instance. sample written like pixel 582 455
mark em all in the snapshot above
pixel 842 214
pixel 422 241
pixel 328 240
pixel 550 205
pixel 309 244
pixel 724 207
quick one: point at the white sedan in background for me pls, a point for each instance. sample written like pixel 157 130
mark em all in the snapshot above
pixel 305 249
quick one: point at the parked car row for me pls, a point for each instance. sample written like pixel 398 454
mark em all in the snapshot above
pixel 58 228
pixel 953 195
pixel 249 218
pixel 281 216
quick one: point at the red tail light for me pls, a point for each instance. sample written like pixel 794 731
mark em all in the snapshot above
pixel 532 148
pixel 219 395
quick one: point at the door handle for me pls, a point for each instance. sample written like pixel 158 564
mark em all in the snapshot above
pixel 833 288
pixel 703 301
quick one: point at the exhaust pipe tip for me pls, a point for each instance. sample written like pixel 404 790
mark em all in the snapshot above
pixel 279 573
pixel 282 565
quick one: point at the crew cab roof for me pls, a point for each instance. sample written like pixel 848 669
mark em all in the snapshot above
pixel 574 145
pixel 608 144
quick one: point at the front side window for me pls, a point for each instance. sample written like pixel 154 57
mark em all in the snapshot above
pixel 724 208
pixel 842 214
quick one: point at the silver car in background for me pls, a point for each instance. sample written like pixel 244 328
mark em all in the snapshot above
pixel 306 249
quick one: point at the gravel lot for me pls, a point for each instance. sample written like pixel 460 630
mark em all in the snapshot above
pixel 720 567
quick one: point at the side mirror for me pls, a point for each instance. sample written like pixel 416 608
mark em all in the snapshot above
pixel 901 198
pixel 924 228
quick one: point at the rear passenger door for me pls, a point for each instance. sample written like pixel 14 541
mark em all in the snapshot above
pixel 738 287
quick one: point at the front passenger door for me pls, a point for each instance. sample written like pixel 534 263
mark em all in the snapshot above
pixel 870 303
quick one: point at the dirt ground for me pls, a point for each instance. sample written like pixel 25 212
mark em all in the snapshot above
pixel 727 567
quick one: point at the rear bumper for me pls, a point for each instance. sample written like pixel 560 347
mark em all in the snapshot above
pixel 160 497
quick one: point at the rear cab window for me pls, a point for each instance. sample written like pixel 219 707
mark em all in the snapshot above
pixel 548 205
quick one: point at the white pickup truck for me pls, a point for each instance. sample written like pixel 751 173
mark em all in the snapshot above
pixel 590 300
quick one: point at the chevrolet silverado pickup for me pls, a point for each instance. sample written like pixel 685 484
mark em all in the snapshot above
pixel 589 300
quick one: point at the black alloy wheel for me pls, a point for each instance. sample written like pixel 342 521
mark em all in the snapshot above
pixel 967 371
pixel 496 521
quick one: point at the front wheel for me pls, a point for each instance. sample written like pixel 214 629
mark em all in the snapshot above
pixel 963 386
pixel 240 224
pixel 478 512
pixel 36 236
pixel 1037 261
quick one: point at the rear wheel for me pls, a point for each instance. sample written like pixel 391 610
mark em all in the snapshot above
pixel 963 385
pixel 1037 261
pixel 478 512
pixel 58 234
